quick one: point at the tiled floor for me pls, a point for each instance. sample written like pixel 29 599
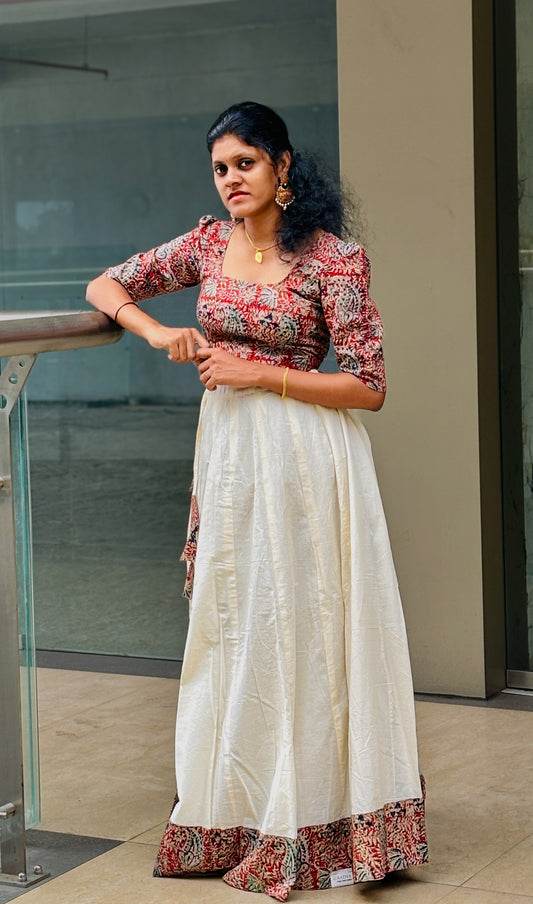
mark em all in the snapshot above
pixel 107 771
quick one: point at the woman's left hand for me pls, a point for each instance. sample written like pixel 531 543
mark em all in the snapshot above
pixel 218 367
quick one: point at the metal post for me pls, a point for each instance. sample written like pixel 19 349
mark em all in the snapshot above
pixel 12 825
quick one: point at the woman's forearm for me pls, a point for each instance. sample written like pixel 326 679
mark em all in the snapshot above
pixel 341 390
pixel 338 390
pixel 110 296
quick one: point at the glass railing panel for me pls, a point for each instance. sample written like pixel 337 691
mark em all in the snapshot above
pixel 110 490
pixel 28 678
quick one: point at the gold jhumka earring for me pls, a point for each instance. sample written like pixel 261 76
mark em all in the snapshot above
pixel 284 195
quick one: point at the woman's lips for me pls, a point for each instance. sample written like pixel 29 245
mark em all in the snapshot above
pixel 237 194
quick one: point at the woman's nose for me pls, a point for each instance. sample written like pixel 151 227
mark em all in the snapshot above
pixel 233 176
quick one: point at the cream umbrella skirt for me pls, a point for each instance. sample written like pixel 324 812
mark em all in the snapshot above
pixel 296 756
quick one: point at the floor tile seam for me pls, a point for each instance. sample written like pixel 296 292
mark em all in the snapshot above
pixel 86 672
pixel 85 709
pixel 504 895
pixel 115 696
pixel 452 890
pixel 82 730
pixel 500 856
pixel 135 840
pixel 147 706
pixel 65 722
pixel 115 764
pixel 105 698
pixel 144 831
pixel 126 762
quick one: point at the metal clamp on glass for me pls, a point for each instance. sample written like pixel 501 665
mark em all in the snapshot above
pixel 7 810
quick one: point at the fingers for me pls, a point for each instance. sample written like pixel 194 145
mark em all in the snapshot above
pixel 190 346
pixel 175 354
pixel 200 340
pixel 208 380
pixel 204 359
pixel 205 368
pixel 184 345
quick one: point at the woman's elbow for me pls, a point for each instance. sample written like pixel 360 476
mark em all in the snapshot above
pixel 365 397
pixel 92 289
pixel 377 400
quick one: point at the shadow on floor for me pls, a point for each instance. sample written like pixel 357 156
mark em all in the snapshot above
pixel 56 853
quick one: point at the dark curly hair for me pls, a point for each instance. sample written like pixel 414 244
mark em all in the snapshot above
pixel 319 202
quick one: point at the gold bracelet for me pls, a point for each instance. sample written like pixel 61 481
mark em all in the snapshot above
pixel 284 383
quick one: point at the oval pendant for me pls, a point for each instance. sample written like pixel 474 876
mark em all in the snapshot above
pixel 259 257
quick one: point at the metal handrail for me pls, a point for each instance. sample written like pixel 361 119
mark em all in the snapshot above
pixel 25 332
pixel 23 335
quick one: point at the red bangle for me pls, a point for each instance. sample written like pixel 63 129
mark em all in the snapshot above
pixel 120 308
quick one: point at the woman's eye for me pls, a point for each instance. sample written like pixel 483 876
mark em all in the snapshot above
pixel 245 164
pixel 220 170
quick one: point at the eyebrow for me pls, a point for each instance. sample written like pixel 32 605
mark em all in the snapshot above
pixel 233 157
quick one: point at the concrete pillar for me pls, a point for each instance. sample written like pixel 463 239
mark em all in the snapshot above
pixel 416 141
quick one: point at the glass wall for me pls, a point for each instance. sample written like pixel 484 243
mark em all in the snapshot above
pixel 103 114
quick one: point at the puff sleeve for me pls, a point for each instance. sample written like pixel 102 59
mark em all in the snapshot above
pixel 352 317
pixel 175 265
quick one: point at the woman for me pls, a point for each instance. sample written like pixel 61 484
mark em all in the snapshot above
pixel 296 752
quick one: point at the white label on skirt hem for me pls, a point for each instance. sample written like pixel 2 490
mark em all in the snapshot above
pixel 341 877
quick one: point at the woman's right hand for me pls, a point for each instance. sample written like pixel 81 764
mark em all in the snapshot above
pixel 111 297
pixel 180 342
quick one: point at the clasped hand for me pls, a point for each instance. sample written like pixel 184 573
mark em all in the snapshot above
pixel 181 343
pixel 216 366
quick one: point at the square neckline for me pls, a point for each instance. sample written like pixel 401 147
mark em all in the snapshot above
pixel 251 282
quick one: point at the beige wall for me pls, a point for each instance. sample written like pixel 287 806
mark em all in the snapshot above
pixel 407 147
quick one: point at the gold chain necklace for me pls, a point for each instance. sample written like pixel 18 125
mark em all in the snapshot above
pixel 258 251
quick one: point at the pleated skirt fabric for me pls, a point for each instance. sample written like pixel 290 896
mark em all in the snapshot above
pixel 296 755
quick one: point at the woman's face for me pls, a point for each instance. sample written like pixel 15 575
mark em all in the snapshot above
pixel 245 176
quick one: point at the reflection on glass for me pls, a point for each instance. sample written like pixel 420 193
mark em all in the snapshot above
pixel 92 169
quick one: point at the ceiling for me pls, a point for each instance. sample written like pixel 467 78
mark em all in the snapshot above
pixel 38 36
pixel 19 11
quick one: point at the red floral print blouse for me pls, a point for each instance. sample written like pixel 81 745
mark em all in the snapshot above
pixel 289 323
